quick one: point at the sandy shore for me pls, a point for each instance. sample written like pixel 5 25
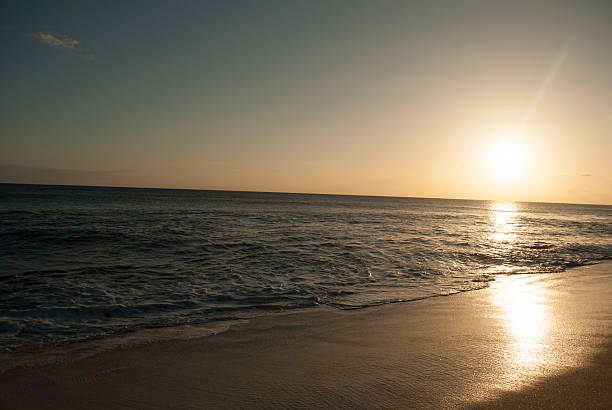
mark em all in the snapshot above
pixel 527 341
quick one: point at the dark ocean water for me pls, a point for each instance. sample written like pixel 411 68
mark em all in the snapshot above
pixel 77 262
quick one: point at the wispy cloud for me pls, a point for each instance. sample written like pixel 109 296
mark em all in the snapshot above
pixel 63 42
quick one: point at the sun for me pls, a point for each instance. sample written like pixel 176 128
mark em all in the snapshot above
pixel 506 158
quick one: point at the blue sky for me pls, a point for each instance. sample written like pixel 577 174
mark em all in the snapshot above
pixel 393 98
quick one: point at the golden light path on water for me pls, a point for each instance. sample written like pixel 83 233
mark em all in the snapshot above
pixel 503 226
pixel 521 305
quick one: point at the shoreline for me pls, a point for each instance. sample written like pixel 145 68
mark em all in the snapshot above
pixel 461 350
pixel 25 356
pixel 47 353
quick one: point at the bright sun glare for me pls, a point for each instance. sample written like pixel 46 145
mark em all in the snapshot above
pixel 506 158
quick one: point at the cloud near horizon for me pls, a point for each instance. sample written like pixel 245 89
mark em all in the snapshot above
pixel 63 42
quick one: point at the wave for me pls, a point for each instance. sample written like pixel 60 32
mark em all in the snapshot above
pixel 87 262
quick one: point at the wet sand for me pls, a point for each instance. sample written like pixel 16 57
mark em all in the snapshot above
pixel 587 387
pixel 526 341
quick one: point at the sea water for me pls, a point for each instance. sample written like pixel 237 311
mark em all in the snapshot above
pixel 83 262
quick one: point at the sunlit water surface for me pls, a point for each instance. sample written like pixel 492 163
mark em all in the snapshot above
pixel 78 262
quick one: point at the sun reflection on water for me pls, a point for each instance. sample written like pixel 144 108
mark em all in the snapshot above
pixel 522 307
pixel 503 232
pixel 503 224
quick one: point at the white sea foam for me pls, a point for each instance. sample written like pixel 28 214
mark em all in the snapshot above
pixel 83 262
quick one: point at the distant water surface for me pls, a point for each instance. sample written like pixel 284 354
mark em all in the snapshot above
pixel 77 262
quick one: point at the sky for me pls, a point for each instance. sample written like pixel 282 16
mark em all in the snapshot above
pixel 451 99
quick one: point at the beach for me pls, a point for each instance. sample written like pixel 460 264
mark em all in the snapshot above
pixel 525 341
pixel 305 204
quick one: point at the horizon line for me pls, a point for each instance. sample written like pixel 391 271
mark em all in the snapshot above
pixel 303 193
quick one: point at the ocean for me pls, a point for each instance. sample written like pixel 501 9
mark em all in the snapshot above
pixel 86 262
